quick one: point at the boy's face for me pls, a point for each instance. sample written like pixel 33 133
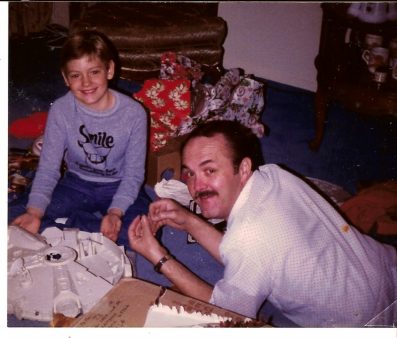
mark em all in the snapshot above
pixel 87 79
pixel 211 177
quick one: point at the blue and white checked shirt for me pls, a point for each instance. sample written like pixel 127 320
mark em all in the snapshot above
pixel 286 244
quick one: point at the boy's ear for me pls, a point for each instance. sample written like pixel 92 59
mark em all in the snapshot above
pixel 110 72
pixel 65 79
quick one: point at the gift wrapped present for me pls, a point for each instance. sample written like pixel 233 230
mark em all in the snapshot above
pixel 176 66
pixel 168 102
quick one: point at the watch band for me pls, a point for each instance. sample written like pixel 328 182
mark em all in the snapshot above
pixel 161 262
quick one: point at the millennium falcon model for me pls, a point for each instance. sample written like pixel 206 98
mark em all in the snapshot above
pixel 60 271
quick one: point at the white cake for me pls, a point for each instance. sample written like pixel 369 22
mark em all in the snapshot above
pixel 164 316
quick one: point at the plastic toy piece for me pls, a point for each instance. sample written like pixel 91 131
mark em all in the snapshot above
pixel 60 271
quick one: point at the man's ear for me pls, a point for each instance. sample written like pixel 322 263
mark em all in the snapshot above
pixel 245 168
pixel 110 72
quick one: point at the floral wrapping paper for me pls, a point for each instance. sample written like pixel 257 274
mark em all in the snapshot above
pixel 233 97
pixel 178 101
pixel 168 102
pixel 176 67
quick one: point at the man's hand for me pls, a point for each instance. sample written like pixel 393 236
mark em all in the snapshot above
pixel 167 211
pixel 142 240
pixel 30 220
pixel 111 224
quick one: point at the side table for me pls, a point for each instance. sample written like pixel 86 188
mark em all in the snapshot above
pixel 343 75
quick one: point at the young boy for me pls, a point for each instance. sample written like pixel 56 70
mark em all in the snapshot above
pixel 101 136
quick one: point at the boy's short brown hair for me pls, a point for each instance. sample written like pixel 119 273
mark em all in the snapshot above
pixel 87 42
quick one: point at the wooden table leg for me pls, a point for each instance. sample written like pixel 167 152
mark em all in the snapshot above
pixel 320 106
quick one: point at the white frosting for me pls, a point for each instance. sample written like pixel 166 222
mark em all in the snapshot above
pixel 164 316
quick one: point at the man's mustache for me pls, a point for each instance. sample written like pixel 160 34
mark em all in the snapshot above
pixel 206 193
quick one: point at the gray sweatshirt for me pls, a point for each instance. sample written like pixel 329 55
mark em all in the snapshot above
pixel 104 146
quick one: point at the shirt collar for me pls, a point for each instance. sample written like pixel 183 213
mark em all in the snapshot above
pixel 242 198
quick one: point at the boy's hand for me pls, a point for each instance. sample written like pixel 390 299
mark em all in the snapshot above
pixel 111 225
pixel 30 221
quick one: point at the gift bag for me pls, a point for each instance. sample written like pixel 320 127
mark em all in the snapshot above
pixel 233 97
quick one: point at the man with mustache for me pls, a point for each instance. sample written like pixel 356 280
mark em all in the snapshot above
pixel 285 247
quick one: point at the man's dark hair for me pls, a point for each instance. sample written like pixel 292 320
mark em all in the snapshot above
pixel 242 141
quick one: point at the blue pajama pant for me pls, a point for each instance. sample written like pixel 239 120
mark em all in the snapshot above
pixel 83 203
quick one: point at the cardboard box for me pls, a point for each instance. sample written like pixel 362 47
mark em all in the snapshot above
pixel 127 303
pixel 167 158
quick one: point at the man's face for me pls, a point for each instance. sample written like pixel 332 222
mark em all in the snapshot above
pixel 210 176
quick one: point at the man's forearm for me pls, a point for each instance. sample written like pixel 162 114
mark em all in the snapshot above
pixel 185 281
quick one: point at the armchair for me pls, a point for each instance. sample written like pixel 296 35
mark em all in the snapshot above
pixel 143 31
